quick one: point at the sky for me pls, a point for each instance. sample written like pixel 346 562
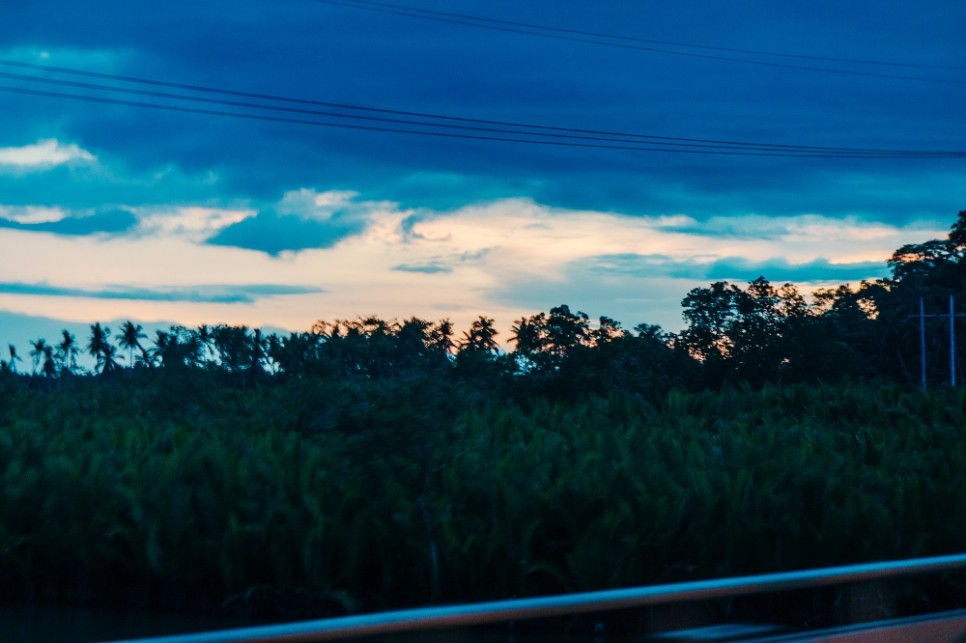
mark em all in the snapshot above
pixel 273 163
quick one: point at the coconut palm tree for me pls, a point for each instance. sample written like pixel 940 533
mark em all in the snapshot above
pixel 39 348
pixel 67 352
pixel 100 348
pixel 479 338
pixel 14 358
pixel 130 338
pixel 43 354
pixel 206 340
pixel 441 336
pixel 161 341
pixel 108 359
pixel 234 347
pixel 258 348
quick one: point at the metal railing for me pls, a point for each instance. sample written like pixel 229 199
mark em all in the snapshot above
pixel 580 603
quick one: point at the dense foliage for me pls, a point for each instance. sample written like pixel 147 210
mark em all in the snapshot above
pixel 370 464
pixel 151 490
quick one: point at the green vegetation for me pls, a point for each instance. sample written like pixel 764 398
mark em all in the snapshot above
pixel 408 491
pixel 370 464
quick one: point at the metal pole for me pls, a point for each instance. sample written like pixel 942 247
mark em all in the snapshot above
pixel 922 341
pixel 511 610
pixel 952 343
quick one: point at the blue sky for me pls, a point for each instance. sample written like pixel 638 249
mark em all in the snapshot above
pixel 143 198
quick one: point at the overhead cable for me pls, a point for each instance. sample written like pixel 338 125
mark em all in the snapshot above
pixel 267 107
pixel 656 46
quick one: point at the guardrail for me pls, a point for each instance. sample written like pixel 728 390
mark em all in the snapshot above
pixel 579 603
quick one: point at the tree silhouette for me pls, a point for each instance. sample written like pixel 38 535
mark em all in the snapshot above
pixel 441 336
pixel 177 347
pixel 236 349
pixel 130 338
pixel 608 330
pixel 529 335
pixel 67 352
pixel 43 358
pixel 100 348
pixel 480 337
pixel 258 352
pixel 207 341
pixel 14 358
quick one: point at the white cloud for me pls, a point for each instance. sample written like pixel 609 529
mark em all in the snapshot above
pixel 31 214
pixel 42 155
pixel 334 198
pixel 192 223
pixel 310 204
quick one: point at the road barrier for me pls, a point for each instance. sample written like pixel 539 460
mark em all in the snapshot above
pixel 452 616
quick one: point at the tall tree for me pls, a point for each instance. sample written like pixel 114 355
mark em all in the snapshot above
pixel 67 352
pixel 130 338
pixel 207 341
pixel 441 336
pixel 100 348
pixel 43 358
pixel 711 314
pixel 480 338
pixel 14 358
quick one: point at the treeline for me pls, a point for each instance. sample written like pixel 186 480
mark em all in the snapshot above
pixel 756 334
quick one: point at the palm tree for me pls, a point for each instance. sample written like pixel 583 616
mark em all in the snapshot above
pixel 165 348
pixel 100 348
pixel 108 359
pixel 39 348
pixel 441 336
pixel 131 336
pixel 232 344
pixel 67 352
pixel 43 354
pixel 206 339
pixel 479 338
pixel 14 358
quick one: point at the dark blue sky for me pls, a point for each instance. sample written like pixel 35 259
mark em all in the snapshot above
pixel 110 174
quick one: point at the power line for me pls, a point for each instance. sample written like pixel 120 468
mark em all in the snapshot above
pixel 429 124
pixel 628 42
pixel 279 119
pixel 366 108
pixel 863 61
pixel 641 147
pixel 857 152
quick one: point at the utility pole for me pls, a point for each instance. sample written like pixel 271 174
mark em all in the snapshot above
pixel 922 341
pixel 952 339
pixel 952 342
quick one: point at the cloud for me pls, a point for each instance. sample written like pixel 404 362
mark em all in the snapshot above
pixel 273 233
pixel 301 220
pixel 775 269
pixel 104 222
pixel 31 214
pixel 776 228
pixel 644 265
pixel 310 204
pixel 427 268
pixel 221 294
pixel 780 270
pixel 194 223
pixel 42 155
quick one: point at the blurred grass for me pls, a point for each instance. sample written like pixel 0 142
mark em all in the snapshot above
pixel 332 497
